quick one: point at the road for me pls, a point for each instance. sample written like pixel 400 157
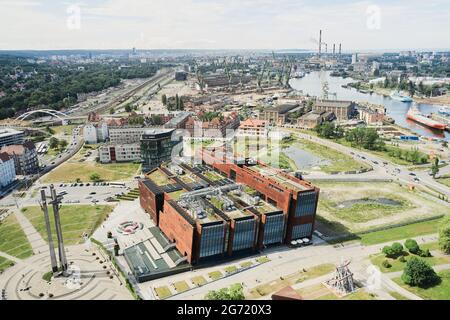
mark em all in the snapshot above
pixel 382 167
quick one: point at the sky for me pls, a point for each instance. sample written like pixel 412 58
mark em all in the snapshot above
pixel 224 24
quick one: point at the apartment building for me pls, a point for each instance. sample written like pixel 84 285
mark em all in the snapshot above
pixel 25 157
pixel 7 170
pixel 95 132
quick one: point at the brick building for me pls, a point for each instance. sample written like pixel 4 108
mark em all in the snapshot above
pixel 343 110
pixel 220 209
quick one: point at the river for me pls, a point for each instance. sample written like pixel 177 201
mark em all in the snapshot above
pixel 312 84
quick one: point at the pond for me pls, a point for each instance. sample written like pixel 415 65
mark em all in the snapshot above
pixel 382 201
pixel 304 159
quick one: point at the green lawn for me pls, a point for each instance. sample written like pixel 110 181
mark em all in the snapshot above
pixel 444 180
pixel 438 292
pixel 404 232
pixel 4 264
pixel 397 265
pixel 75 220
pixel 181 286
pixel 339 162
pixel 72 170
pixel 263 259
pixel 246 264
pixel 163 292
pixel 13 240
pixel 215 275
pixel 230 269
pixel 397 295
pixel 199 281
pixel 288 280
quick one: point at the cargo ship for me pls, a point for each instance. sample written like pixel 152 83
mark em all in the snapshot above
pixel 415 115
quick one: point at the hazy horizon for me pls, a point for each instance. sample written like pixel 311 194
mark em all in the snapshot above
pixel 382 25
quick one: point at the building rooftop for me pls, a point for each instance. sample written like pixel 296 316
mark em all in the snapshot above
pixel 6 132
pixel 333 103
pixel 283 108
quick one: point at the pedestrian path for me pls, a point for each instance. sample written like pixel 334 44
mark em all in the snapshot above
pixel 37 243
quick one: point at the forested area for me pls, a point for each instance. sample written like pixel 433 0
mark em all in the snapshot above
pixel 25 85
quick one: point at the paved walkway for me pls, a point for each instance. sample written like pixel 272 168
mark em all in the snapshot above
pixel 9 257
pixel 37 243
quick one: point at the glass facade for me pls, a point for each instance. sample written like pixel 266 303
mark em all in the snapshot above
pixel 155 149
pixel 301 231
pixel 306 204
pixel 274 229
pixel 244 234
pixel 212 240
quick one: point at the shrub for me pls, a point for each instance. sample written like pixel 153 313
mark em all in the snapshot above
pixel 425 253
pixel 419 273
pixel 386 264
pixel 402 259
pixel 393 251
pixel 412 246
pixel 444 235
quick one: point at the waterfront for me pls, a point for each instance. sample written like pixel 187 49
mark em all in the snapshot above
pixel 312 84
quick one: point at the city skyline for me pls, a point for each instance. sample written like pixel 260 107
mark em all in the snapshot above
pixel 199 24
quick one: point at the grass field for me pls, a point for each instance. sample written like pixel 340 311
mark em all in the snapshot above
pixel 73 170
pixel 297 277
pixel 320 292
pixel 4 264
pixel 397 295
pixel 438 292
pixel 359 207
pixel 338 162
pixel 181 286
pixel 231 269
pixel 163 292
pixel 215 275
pixel 445 180
pixel 397 265
pixel 404 232
pixel 13 240
pixel 199 281
pixel 65 130
pixel 75 220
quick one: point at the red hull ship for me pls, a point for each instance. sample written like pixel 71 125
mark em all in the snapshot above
pixel 415 115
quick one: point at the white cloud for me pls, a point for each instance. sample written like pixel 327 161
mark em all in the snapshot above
pixel 222 24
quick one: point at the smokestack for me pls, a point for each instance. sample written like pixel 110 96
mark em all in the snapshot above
pixel 340 48
pixel 334 48
pixel 320 42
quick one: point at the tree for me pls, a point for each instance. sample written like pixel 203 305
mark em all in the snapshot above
pixel 444 235
pixel 62 145
pixel 111 111
pixel 53 143
pixel 128 108
pixel 435 168
pixel 95 177
pixel 164 99
pixel 419 273
pixel 234 292
pixel 412 246
pixel 393 251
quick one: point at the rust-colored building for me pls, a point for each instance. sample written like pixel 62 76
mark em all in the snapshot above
pixel 221 209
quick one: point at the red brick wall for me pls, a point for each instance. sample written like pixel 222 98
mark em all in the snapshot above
pixel 148 201
pixel 177 229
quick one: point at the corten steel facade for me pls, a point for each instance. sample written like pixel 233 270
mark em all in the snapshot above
pixel 226 235
pixel 299 206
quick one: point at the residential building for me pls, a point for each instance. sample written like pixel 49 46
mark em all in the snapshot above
pixel 9 136
pixel 222 208
pixel 253 128
pixel 25 157
pixel 343 110
pixel 119 153
pixel 95 132
pixel 215 128
pixel 156 147
pixel 7 170
pixel 126 134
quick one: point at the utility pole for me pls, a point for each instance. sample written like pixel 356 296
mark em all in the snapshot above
pixel 62 253
pixel 51 246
